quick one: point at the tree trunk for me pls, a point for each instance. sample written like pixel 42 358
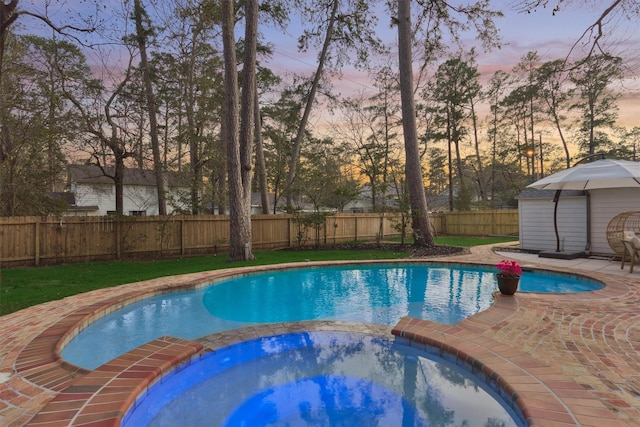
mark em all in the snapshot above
pixel 247 127
pixel 476 144
pixel 450 160
pixel 494 144
pixel 567 156
pixel 151 107
pixel 239 147
pixel 417 199
pixel 118 181
pixel 261 164
pixel 195 163
pixel 7 17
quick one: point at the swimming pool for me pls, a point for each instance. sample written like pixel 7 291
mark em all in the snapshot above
pixel 371 293
pixel 324 378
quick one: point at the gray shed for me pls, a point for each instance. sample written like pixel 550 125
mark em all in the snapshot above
pixel 583 217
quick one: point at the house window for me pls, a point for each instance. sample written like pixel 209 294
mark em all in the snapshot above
pixel 138 213
pixel 111 212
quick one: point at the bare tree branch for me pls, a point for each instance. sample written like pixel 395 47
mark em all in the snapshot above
pixel 597 26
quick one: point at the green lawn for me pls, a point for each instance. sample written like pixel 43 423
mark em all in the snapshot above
pixel 24 287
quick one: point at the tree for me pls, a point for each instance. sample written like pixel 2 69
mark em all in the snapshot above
pixel 322 182
pixel 37 122
pixel 281 119
pixel 142 35
pixel 596 33
pixel 455 89
pixel 438 16
pixel 194 66
pixel 495 92
pixel 597 105
pixel 9 14
pixel 550 79
pixel 475 96
pixel 526 70
pixel 343 26
pixel 438 181
pixel 104 113
pixel 413 171
pixel 367 129
pixel 516 106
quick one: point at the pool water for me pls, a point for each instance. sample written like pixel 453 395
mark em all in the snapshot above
pixel 324 379
pixel 380 294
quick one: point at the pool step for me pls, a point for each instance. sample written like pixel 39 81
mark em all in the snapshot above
pixel 102 397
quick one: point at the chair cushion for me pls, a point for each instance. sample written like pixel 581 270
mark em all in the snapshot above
pixel 635 241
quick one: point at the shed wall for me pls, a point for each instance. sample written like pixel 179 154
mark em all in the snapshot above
pixel 605 204
pixel 536 224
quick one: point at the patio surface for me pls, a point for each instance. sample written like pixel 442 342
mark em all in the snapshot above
pixel 565 359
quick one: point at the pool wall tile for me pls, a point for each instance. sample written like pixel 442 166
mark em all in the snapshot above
pixel 103 396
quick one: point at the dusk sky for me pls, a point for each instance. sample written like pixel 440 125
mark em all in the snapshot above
pixel 551 36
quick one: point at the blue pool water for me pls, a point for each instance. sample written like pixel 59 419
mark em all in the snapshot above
pixel 379 294
pixel 323 379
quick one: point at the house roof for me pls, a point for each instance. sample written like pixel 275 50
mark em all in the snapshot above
pixel 92 174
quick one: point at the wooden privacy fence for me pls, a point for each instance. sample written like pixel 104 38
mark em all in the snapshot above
pixel 480 223
pixel 50 240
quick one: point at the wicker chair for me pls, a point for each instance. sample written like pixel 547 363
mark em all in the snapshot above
pixel 631 248
pixel 623 227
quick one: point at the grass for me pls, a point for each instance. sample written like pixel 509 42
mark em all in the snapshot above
pixel 24 287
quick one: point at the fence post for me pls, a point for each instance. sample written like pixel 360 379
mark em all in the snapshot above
pixel 182 251
pixel 326 218
pixel 118 233
pixel 444 224
pixel 37 243
pixel 494 231
pixel 355 228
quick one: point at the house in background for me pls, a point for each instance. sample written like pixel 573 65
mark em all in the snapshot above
pixel 94 194
pixel 363 202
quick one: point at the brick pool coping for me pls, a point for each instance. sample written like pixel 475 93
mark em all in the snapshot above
pixel 544 394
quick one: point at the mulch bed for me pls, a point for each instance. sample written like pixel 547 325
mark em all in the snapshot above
pixel 416 252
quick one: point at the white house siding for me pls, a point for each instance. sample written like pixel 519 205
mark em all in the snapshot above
pixel 100 195
pixel 536 224
pixel 135 198
pixel 606 204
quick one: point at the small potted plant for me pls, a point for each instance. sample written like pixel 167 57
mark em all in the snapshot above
pixel 508 276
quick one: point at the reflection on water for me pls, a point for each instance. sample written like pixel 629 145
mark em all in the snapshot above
pixel 373 294
pixel 321 379
pixel 380 294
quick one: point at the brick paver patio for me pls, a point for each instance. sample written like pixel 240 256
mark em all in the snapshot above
pixel 566 359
